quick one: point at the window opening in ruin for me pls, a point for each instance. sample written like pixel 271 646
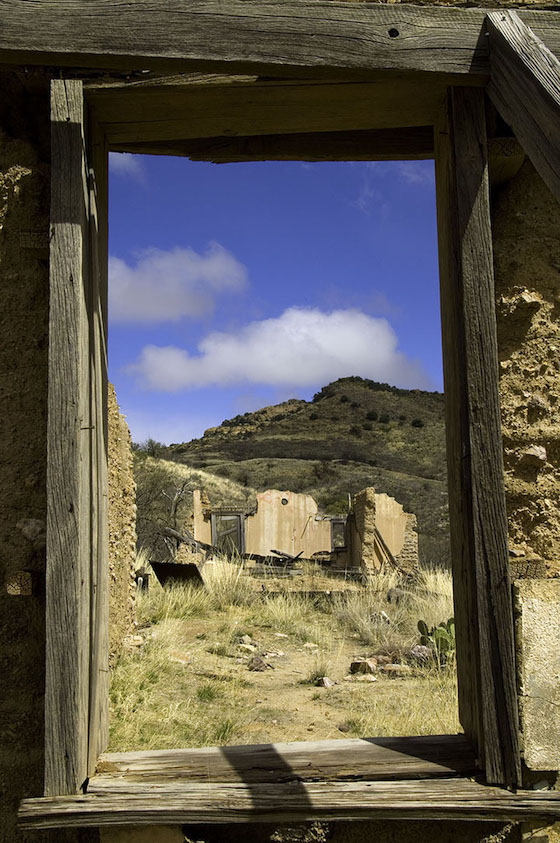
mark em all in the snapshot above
pixel 280 371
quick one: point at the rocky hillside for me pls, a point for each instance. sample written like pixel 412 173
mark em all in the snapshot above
pixel 353 433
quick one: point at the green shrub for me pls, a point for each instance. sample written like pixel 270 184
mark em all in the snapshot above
pixel 373 415
pixel 417 423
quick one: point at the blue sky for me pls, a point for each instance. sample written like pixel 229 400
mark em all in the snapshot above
pixel 240 285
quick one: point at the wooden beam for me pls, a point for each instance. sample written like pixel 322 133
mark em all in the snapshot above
pixel 207 802
pixel 356 758
pixel 68 452
pixel 525 88
pixel 484 615
pixel 182 112
pixel 377 145
pixel 279 37
pixel 98 256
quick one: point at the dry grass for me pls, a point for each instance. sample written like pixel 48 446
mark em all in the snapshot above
pixel 188 684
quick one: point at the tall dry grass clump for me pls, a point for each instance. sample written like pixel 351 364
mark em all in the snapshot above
pixel 226 583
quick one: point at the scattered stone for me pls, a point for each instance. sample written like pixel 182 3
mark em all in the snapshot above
pixel 343 727
pixel 247 648
pixel 280 635
pixel 325 682
pixel 131 642
pixel 258 664
pixel 275 654
pixel 364 677
pixel 246 639
pixel 420 653
pixel 201 636
pixel 535 456
pixel 396 671
pixel 364 666
pixel 514 551
pixel 382 659
pixel 310 727
pixel 309 645
pixel 258 701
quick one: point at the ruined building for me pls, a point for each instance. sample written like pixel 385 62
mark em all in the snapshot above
pixel 377 530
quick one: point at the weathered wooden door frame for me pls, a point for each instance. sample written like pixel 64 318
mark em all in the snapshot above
pixel 77 483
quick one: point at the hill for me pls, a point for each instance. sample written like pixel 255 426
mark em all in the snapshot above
pixel 355 432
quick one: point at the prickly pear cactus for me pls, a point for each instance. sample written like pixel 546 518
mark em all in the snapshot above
pixel 440 638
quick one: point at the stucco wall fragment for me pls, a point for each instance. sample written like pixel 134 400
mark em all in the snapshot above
pixel 292 526
pixel 537 607
pixel 526 222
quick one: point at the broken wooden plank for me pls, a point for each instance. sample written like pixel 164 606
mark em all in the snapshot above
pixel 525 88
pixel 69 448
pixel 348 759
pixel 279 36
pixel 477 512
pixel 376 145
pixel 208 802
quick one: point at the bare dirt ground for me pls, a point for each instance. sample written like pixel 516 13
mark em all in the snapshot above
pixel 189 682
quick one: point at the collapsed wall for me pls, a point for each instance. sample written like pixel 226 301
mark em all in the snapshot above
pixel 122 528
pixel 380 532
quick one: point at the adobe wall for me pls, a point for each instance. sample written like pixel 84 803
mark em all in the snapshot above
pixel 24 222
pixel 291 527
pixel 122 528
pixel 527 263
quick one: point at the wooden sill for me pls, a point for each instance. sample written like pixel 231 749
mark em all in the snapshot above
pixel 394 778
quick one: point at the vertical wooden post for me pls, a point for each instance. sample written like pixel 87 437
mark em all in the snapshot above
pixel 68 452
pixel 479 539
pixel 98 237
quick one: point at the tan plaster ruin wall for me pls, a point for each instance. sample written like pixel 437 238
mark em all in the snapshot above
pixel 202 525
pixel 292 527
pixel 122 528
pixel 24 223
pixel 527 262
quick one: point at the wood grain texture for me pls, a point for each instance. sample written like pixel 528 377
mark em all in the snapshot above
pixel 377 145
pixel 180 112
pixel 98 237
pixel 374 758
pixel 186 802
pixel 68 454
pixel 269 36
pixel 484 615
pixel 525 88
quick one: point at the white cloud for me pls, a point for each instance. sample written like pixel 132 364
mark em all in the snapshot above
pixel 126 164
pixel 417 172
pixel 168 285
pixel 302 347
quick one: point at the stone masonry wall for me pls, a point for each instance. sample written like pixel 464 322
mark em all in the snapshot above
pixel 527 263
pixel 122 528
pixel 24 224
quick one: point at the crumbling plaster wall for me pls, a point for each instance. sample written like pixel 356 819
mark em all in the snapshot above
pixel 292 527
pixel 526 223
pixel 24 226
pixel 122 528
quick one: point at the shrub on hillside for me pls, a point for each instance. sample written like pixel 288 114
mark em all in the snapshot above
pixel 417 423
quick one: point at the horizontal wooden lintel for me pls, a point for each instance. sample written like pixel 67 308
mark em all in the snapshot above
pixel 279 37
pixel 134 803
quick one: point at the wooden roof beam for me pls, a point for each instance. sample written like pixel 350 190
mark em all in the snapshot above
pixel 276 37
pixel 525 88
